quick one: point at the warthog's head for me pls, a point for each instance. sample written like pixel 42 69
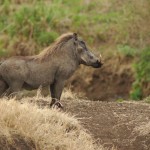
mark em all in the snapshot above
pixel 84 55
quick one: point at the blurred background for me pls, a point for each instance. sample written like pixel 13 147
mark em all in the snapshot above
pixel 118 29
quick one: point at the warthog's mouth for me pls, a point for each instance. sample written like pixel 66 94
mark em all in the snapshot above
pixel 97 64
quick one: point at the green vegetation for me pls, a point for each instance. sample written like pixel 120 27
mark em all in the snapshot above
pixel 126 50
pixel 142 74
pixel 121 25
pixel 97 21
pixel 120 100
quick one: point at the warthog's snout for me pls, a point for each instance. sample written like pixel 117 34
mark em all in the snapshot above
pixel 97 64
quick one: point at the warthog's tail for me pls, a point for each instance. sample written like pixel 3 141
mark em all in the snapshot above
pixel 0 71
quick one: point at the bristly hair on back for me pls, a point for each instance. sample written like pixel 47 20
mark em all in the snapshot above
pixel 54 47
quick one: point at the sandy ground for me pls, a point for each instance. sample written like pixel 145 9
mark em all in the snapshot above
pixel 124 125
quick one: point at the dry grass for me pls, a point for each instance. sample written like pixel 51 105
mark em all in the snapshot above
pixel 143 129
pixel 25 126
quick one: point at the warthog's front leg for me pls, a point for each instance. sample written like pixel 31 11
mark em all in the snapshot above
pixel 56 91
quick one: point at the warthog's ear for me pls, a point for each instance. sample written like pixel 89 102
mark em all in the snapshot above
pixel 75 36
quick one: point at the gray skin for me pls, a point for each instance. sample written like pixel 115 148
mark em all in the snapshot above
pixel 29 73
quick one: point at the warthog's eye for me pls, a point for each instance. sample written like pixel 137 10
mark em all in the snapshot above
pixel 91 57
pixel 80 49
pixel 83 45
pixel 82 42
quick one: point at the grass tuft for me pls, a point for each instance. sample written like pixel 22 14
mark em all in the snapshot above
pixel 35 128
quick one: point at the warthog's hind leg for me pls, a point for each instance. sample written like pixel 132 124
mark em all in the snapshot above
pixel 14 88
pixel 3 87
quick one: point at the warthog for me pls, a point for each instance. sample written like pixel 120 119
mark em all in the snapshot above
pixel 52 67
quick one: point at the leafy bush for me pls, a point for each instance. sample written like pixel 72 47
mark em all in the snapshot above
pixel 142 74
pixel 3 52
pixel 127 50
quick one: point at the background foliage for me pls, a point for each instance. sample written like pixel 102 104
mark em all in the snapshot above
pixel 112 26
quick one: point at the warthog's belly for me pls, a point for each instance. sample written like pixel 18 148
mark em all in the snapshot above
pixel 31 87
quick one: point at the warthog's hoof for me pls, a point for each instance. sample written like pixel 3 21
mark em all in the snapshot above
pixel 58 105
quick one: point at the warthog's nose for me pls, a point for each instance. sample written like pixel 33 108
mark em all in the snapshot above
pixel 100 63
pixel 97 64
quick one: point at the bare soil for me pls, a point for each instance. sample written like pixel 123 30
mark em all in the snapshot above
pixel 113 123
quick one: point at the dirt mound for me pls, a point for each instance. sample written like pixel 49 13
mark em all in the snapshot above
pixel 112 81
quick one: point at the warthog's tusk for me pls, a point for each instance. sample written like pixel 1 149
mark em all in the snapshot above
pixel 84 59
pixel 100 56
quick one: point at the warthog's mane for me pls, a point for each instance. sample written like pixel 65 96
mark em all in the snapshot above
pixel 54 47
